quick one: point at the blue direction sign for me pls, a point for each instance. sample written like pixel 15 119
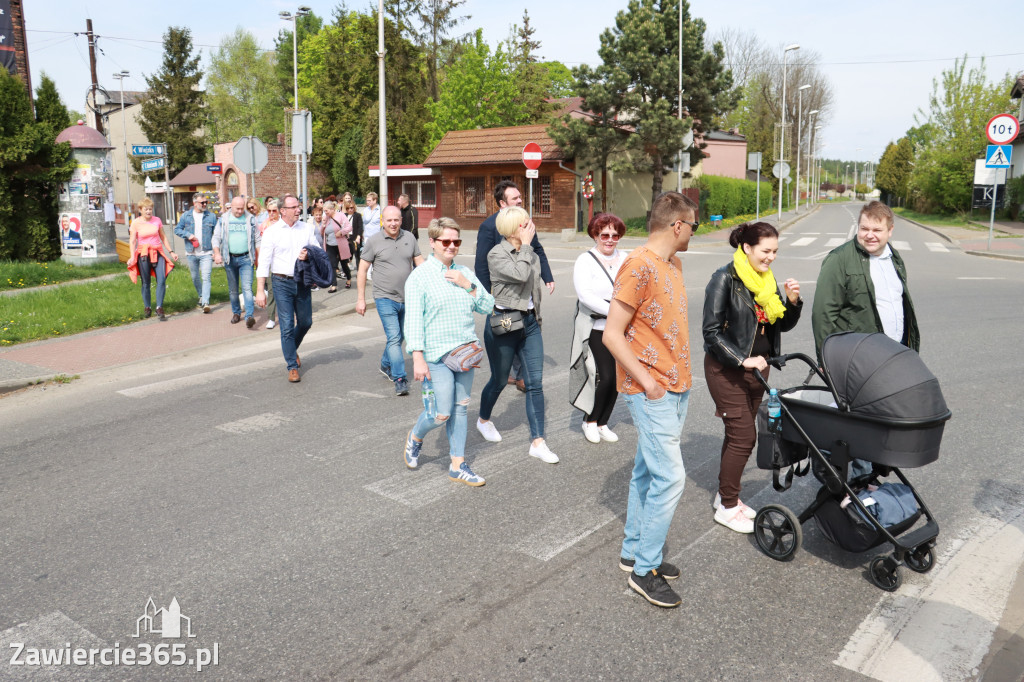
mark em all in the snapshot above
pixel 998 156
pixel 147 150
pixel 153 164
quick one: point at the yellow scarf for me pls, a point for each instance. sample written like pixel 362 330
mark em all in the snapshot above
pixel 761 284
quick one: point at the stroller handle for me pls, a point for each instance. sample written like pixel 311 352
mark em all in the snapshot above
pixel 780 361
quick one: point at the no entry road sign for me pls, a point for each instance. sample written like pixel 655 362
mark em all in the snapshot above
pixel 532 156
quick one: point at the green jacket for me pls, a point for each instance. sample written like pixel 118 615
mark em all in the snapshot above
pixel 844 298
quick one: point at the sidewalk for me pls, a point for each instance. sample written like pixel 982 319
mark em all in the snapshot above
pixel 1007 238
pixel 31 363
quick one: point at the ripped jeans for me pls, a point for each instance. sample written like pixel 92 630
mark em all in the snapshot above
pixel 451 393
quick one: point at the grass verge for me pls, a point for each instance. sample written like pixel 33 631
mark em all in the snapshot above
pixel 933 219
pixel 20 275
pixel 60 311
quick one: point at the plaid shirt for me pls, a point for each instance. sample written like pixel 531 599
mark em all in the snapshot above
pixel 439 314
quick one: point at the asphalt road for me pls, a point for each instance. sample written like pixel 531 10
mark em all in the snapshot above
pixel 283 521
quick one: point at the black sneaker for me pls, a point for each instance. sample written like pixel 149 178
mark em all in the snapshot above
pixel 401 387
pixel 654 589
pixel 667 570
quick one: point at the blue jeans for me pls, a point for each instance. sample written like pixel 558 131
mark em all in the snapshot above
pixel 392 316
pixel 451 394
pixel 201 266
pixel 240 267
pixel 529 346
pixel 658 476
pixel 161 280
pixel 294 316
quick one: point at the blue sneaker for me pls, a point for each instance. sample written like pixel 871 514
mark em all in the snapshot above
pixel 401 387
pixel 386 372
pixel 465 475
pixel 412 451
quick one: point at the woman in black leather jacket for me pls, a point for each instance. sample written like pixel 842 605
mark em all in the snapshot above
pixel 745 314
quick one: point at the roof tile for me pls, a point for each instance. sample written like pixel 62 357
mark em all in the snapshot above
pixel 492 145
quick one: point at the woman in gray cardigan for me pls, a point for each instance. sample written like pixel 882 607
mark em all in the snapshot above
pixel 516 285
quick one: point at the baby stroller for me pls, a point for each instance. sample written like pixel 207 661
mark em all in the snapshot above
pixel 880 409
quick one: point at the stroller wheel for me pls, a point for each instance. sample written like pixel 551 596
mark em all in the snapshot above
pixel 777 532
pixel 921 560
pixel 885 573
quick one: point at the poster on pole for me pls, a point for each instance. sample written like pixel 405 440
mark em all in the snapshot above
pixel 70 230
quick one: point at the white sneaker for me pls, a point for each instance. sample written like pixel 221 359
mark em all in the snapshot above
pixel 488 431
pixel 542 453
pixel 749 512
pixel 607 434
pixel 592 432
pixel 734 519
pixel 270 325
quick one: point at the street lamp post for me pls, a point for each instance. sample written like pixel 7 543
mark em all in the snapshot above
pixel 856 165
pixel 294 18
pixel 124 129
pixel 782 131
pixel 814 158
pixel 382 118
pixel 799 123
pixel 810 116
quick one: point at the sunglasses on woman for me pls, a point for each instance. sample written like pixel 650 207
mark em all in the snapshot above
pixel 614 236
pixel 448 242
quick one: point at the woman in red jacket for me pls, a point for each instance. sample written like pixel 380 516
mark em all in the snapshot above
pixel 150 251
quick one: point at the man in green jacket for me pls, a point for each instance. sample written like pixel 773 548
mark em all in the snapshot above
pixel 862 286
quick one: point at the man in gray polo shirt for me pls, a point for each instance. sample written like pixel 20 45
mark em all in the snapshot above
pixel 393 253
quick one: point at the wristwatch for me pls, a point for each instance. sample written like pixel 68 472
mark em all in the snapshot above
pixel 472 288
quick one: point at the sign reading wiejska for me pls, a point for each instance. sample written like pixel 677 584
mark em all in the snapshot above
pixel 147 150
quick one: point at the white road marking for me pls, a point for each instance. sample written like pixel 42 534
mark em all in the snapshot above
pixel 430 483
pixel 803 241
pixel 901 246
pixel 937 247
pixel 255 424
pixel 980 278
pixel 561 533
pixel 365 394
pixel 835 241
pixel 941 627
pixel 52 631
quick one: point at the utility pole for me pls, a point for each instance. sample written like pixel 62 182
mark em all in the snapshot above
pixel 382 118
pixel 92 67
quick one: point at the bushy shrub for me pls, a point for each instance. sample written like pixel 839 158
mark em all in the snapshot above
pixel 731 197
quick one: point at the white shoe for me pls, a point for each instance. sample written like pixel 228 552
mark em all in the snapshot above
pixel 734 519
pixel 591 432
pixel 542 453
pixel 270 325
pixel 749 512
pixel 607 434
pixel 488 431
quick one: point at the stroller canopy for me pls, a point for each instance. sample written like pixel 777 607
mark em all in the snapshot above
pixel 879 377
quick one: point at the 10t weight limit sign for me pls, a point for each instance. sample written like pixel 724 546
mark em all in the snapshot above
pixel 1002 129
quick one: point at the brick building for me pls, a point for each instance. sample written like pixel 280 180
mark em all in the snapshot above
pixel 472 162
pixel 422 184
pixel 276 179
pixel 13 45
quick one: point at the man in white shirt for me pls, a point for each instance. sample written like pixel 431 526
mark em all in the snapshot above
pixel 283 243
pixel 862 286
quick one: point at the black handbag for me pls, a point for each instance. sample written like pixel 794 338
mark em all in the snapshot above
pixel 505 321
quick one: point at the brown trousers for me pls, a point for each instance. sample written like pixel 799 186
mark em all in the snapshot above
pixel 737 394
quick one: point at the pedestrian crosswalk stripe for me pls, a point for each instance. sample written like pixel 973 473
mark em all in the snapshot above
pixel 804 241
pixel 901 246
pixel 835 241
pixel 937 247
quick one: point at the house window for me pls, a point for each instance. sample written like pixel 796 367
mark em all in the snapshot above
pixel 422 193
pixel 473 196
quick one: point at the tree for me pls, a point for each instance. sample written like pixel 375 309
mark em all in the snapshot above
pixel 438 18
pixel 345 168
pixel 560 79
pixel 961 103
pixel 49 107
pixel 284 63
pixel 242 89
pixel 894 169
pixel 640 67
pixel 32 166
pixel 532 79
pixel 479 92
pixel 174 110
pixel 401 13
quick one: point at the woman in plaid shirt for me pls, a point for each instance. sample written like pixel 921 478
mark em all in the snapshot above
pixel 440 299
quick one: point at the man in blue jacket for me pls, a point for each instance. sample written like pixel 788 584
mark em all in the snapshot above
pixel 199 245
pixel 506 193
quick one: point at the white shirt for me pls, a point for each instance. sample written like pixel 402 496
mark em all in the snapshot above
pixel 197 221
pixel 371 222
pixel 281 246
pixel 592 283
pixel 888 294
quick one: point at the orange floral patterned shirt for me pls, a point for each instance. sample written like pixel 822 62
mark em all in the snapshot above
pixel 658 333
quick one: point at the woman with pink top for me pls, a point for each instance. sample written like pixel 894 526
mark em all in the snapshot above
pixel 150 250
pixel 336 228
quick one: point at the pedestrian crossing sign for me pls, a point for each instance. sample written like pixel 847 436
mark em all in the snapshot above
pixel 998 156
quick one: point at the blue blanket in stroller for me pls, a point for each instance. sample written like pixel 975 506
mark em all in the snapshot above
pixel 891 503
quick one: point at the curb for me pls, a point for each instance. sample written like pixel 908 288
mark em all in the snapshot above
pixel 12 385
pixel 983 254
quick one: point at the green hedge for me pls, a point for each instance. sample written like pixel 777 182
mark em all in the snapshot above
pixel 732 197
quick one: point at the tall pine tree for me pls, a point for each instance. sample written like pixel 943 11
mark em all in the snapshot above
pixel 173 111
pixel 49 108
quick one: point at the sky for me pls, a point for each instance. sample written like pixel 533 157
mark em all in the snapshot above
pixel 881 57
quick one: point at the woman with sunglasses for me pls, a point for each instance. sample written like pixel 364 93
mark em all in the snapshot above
pixel 745 314
pixel 440 299
pixel 592 367
pixel 273 215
